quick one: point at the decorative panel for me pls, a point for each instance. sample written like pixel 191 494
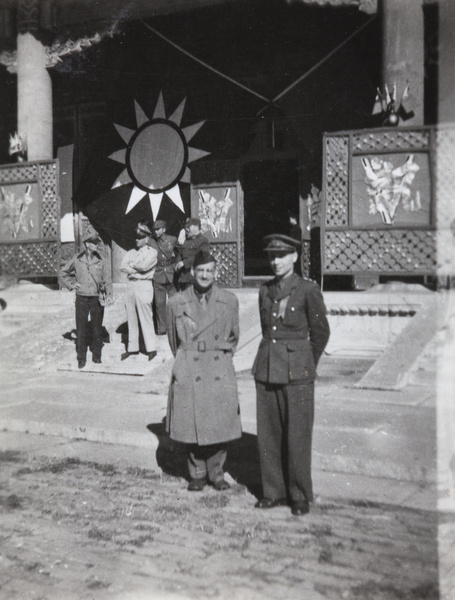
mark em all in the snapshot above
pixel 378 189
pixel 227 263
pixel 337 177
pixel 29 219
pixel 380 251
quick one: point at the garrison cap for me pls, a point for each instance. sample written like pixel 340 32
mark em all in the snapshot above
pixel 159 224
pixel 203 258
pixel 193 221
pixel 92 236
pixel 143 228
pixel 277 242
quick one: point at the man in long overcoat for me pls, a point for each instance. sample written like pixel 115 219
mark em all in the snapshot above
pixel 203 407
pixel 295 332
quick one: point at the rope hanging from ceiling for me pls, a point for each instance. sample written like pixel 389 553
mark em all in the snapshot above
pixel 244 87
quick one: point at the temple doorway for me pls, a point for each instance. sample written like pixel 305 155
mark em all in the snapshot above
pixel 271 193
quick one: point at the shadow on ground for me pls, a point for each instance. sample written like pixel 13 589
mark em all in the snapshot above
pixel 242 458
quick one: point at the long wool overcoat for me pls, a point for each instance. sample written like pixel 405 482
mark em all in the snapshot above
pixel 203 406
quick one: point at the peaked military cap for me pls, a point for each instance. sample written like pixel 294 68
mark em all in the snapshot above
pixel 159 224
pixel 193 221
pixel 277 242
pixel 143 228
pixel 203 258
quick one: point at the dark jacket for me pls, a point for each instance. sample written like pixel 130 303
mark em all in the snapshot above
pixel 293 343
pixel 186 253
pixel 164 271
pixel 203 406
pixel 88 272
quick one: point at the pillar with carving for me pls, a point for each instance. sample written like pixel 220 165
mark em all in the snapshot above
pixel 34 86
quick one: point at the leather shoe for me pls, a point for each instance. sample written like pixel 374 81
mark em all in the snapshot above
pixel 80 364
pixel 97 360
pixel 126 355
pixel 221 485
pixel 152 354
pixel 300 508
pixel 269 503
pixel 196 485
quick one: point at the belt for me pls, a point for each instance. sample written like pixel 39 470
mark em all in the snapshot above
pixel 285 336
pixel 166 263
pixel 203 347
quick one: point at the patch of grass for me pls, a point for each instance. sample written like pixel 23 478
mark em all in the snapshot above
pixel 98 534
pixel 371 590
pixel 11 456
pixel 214 501
pixel 11 501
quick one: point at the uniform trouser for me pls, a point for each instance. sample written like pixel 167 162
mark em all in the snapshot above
pixel 162 289
pixel 139 298
pixel 207 461
pixel 89 306
pixel 285 416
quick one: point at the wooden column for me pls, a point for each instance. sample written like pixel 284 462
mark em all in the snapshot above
pixel 34 87
pixel 446 92
pixel 403 51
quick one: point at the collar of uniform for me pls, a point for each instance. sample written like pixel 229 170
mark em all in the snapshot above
pixel 199 294
pixel 85 257
pixel 282 288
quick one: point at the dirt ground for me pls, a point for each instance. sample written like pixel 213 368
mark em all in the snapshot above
pixel 86 531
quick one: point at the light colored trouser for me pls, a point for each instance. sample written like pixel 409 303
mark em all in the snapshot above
pixel 139 298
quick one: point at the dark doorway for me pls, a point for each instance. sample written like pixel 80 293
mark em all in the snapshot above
pixel 271 192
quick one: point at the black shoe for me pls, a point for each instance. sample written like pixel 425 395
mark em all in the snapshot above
pixel 196 485
pixel 221 485
pixel 96 360
pixel 126 355
pixel 81 364
pixel 269 503
pixel 300 508
pixel 152 354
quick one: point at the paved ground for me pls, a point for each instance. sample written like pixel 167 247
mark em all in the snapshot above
pixel 94 501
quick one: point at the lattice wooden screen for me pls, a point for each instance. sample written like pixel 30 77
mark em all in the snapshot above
pixel 30 219
pixel 355 240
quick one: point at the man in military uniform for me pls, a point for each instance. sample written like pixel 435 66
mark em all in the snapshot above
pixel 195 242
pixel 203 407
pixel 295 332
pixel 163 280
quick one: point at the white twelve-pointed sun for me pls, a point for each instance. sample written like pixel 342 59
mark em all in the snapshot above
pixel 156 156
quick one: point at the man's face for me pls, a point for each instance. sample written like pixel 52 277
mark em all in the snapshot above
pixel 141 239
pixel 282 263
pixel 159 232
pixel 91 246
pixel 192 231
pixel 204 274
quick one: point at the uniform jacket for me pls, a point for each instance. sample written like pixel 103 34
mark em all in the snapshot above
pixel 164 271
pixel 140 263
pixel 186 253
pixel 292 343
pixel 88 271
pixel 203 405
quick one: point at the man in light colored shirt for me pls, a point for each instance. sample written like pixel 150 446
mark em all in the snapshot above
pixel 139 265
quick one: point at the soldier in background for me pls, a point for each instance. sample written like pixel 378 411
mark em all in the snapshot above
pixel 195 242
pixel 163 280
pixel 139 265
pixel 295 332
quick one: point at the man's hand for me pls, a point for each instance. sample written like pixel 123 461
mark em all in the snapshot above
pixel 179 265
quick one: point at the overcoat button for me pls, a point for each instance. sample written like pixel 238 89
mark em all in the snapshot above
pixel 292 308
pixel 274 328
pixel 273 341
pixel 217 378
pixel 217 336
pixel 216 358
pixel 198 379
pixel 306 373
pixel 273 314
pixel 195 359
